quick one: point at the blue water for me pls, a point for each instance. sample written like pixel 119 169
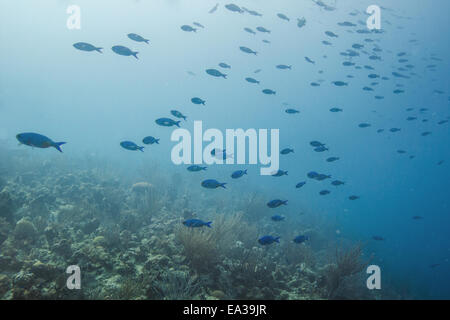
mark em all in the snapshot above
pixel 93 101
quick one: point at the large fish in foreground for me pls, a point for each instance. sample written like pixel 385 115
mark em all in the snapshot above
pixel 37 140
pixel 124 51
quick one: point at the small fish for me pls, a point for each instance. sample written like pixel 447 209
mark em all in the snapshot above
pixel 315 84
pixel 195 168
pixel 239 173
pixel 426 133
pixel 301 22
pixel 267 240
pixel 331 34
pixel 332 159
pixel 320 149
pixel 234 8
pixel 417 218
pixel 178 114
pixel 276 203
pixel 394 129
pixel 316 144
pixel 282 16
pixel 187 28
pixel 340 83
pixel 277 218
pixel 224 65
pixel 309 60
pixel 252 12
pixel 287 151
pixel 364 125
pixel 138 38
pixel 248 50
pixel 283 67
pixel 249 30
pixel 38 140
pixel 324 192
pixel 279 173
pixel 198 25
pixel 129 145
pixel 196 223
pixel 166 122
pixel 197 100
pixel 214 8
pixel 353 197
pixel 337 183
pixel 300 239
pixel 251 80
pixel 150 140
pixel 212 184
pixel 348 64
pixel 336 110
pixel 321 177
pixel 327 43
pixel 257 71
pixel 83 46
pixel 268 91
pixel 300 184
pixel 262 29
pixel 124 51
pixel 291 111
pixel 216 73
pixel 378 238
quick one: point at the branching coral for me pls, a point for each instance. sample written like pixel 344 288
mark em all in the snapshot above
pixel 175 285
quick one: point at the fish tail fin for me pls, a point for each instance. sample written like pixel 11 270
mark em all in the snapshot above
pixel 223 185
pixel 99 50
pixel 208 224
pixel 184 118
pixel 285 202
pixel 204 168
pixel 203 102
pixel 135 54
pixel 286 173
pixel 146 41
pixel 177 123
pixel 277 239
pixel 157 141
pixel 141 149
pixel 255 53
pixel 57 145
pixel 257 82
pixel 245 171
pixel 224 76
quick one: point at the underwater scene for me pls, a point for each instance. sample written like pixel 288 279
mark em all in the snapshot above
pixel 224 150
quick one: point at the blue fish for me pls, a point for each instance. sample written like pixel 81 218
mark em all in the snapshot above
pixel 216 73
pixel 131 146
pixel 188 28
pixel 37 140
pixel 300 184
pixel 196 223
pixel 269 91
pixel 276 203
pixel 197 100
pixel 178 114
pixel 138 38
pixel 287 151
pixel 166 122
pixel 83 46
pixel 300 239
pixel 280 173
pixel 238 173
pixel 266 240
pixel 195 168
pixel 150 140
pixel 213 184
pixel 124 51
pixel 277 218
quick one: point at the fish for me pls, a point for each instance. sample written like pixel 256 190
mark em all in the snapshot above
pixel 327 43
pixel 249 30
pixel 336 110
pixel 364 125
pixel 266 41
pixel 213 184
pixel 215 73
pixel 150 140
pixel 346 24
pixel 277 218
pixel 348 64
pixel 198 25
pixel 252 12
pixel 124 51
pixel 291 111
pixel 138 38
pixel 300 239
pixel 283 16
pixel 239 173
pixel 324 192
pixel 315 84
pixel 353 197
pixel 309 60
pixel 394 129
pixel 320 149
pixel 197 100
pixel 84 46
pixel 332 159
pixel 167 122
pixel 129 145
pixel 316 144
pixel 196 223
pixel 262 29
pixel 267 240
pixel 248 50
pixel 331 34
pixel 337 183
pixel 301 22
pixel 279 173
pixel 300 184
pixel 417 218
pixel 38 140
pixel 276 203
pixel 378 238
pixel 268 91
pixel 224 65
pixel 214 8
pixel 187 28
pixel 178 114
pixel 251 80
pixel 287 151
pixel 196 168
pixel 234 8
pixel 340 83
pixel 283 67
